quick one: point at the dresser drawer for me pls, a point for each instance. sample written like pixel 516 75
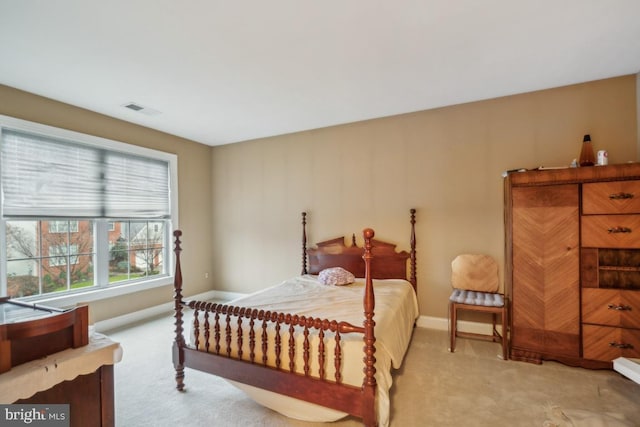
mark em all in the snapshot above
pixel 615 197
pixel 611 307
pixel 610 231
pixel 607 343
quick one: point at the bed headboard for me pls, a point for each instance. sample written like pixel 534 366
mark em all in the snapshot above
pixel 387 263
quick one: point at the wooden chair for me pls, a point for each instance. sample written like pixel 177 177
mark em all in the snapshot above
pixel 475 283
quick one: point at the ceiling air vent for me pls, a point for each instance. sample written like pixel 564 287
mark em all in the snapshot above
pixel 141 109
pixel 134 107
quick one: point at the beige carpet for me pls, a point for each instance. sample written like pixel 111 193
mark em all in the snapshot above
pixel 471 387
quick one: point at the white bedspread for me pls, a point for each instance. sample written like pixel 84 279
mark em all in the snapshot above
pixel 396 310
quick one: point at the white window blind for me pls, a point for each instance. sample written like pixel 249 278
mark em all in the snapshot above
pixel 48 177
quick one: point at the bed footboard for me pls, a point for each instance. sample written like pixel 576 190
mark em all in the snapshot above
pixel 224 330
pixel 272 351
pixel 260 348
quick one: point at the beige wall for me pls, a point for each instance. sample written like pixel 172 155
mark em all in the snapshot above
pixel 446 163
pixel 194 166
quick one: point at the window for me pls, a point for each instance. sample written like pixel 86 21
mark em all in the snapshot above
pixel 82 214
pixel 63 226
pixel 63 255
pixel 138 250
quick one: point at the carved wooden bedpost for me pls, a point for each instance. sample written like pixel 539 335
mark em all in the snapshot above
pixel 413 278
pixel 304 243
pixel 369 383
pixel 178 345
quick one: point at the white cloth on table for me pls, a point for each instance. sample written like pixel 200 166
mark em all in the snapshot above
pixel 27 379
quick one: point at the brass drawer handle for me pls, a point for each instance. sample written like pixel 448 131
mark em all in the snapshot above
pixel 619 230
pixel 620 196
pixel 619 307
pixel 621 345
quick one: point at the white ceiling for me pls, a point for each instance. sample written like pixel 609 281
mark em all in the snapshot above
pixel 227 71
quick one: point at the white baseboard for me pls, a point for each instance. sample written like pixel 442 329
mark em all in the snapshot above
pixel 220 296
pixel 442 324
pixel 166 308
pixel 429 322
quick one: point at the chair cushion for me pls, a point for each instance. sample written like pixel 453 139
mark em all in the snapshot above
pixel 489 299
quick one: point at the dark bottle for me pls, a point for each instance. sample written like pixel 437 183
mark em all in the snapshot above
pixel 587 156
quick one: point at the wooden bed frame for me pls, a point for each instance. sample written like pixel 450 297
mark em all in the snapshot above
pixel 331 393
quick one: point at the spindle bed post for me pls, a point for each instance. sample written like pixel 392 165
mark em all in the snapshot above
pixel 369 383
pixel 413 278
pixel 304 243
pixel 178 345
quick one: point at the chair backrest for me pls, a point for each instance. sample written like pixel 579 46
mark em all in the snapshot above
pixel 475 272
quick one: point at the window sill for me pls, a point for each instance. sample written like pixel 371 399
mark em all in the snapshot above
pixel 72 299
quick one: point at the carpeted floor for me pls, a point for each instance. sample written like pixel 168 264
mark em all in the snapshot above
pixel 471 387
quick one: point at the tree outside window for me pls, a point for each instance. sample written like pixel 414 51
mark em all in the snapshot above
pixel 40 260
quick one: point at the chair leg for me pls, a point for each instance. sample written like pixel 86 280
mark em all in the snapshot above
pixel 453 324
pixel 505 335
pixel 494 318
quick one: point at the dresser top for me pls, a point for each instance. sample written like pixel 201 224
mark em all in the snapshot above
pixel 575 175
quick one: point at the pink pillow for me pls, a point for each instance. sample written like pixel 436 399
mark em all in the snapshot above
pixel 336 276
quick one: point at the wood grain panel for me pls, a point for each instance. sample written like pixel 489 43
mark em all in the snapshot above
pixel 615 197
pixel 611 307
pixel 90 398
pixel 549 344
pixel 589 267
pixel 605 342
pixel 545 306
pixel 611 231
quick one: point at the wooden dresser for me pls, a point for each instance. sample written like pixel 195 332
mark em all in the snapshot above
pixel 30 331
pixel 572 265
